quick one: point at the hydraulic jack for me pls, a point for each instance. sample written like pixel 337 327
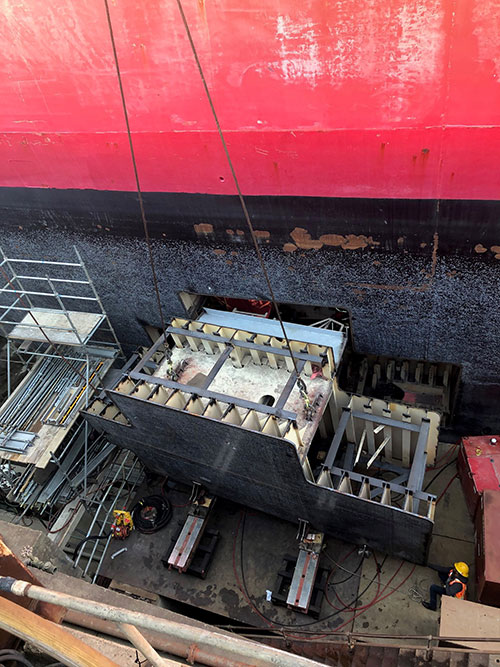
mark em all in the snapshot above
pixel 306 569
pixel 192 531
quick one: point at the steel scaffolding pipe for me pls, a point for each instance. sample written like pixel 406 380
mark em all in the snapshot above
pixel 196 644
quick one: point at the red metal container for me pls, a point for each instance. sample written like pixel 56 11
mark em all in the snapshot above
pixel 488 549
pixel 479 468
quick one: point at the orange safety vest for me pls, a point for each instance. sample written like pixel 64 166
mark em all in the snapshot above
pixel 461 594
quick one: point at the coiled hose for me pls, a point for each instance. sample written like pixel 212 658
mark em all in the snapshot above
pixel 151 514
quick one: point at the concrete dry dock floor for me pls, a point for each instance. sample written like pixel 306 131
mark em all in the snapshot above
pixel 453 540
pixel 267 540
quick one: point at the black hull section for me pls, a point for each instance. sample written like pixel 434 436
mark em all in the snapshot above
pixel 258 471
pixel 420 278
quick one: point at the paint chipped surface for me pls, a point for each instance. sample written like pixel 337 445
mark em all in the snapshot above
pixel 346 45
pixel 303 240
pixel 299 49
pixel 486 22
pixel 496 250
pixel 204 228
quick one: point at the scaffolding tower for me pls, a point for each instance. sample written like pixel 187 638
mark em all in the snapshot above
pixel 54 322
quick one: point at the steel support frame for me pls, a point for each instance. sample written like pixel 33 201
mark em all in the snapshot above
pixel 417 470
pixel 301 356
pixel 276 410
pixel 381 484
pixel 207 393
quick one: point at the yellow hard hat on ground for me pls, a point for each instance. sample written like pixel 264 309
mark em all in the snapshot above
pixel 462 568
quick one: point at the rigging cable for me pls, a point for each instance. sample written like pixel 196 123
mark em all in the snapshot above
pixel 134 163
pixel 300 382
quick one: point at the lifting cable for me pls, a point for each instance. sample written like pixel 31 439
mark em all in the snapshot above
pixel 300 382
pixel 134 163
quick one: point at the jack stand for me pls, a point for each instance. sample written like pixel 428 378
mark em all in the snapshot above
pixel 184 549
pixel 306 569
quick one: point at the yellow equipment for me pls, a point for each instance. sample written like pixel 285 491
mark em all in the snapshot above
pixel 122 525
pixel 462 568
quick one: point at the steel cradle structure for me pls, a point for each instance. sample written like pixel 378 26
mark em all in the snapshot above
pixel 190 409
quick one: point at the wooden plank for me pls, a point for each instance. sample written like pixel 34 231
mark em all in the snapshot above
pixel 49 637
pixel 461 618
pixel 11 566
pixel 84 323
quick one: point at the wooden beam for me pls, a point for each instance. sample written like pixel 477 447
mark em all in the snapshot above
pixel 49 637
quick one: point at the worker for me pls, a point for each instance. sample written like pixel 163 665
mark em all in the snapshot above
pixel 455 583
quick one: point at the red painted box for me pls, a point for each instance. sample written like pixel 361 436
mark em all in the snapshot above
pixel 479 467
pixel 488 549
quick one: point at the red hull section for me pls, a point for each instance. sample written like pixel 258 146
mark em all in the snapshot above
pixel 392 98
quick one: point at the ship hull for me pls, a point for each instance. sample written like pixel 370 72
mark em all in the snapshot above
pixel 418 277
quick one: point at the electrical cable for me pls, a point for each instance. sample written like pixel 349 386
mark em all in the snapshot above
pixel 440 472
pixel 237 185
pixel 375 601
pixel 361 610
pixel 440 497
pixel 134 164
pixel 151 514
pixel 243 588
pixel 9 655
pixel 440 461
pixel 86 539
pixel 351 573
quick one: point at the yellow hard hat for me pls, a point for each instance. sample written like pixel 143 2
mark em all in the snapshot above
pixel 462 568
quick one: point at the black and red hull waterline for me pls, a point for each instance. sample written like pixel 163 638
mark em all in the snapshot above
pixel 365 137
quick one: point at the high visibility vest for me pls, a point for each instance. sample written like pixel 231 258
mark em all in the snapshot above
pixel 461 594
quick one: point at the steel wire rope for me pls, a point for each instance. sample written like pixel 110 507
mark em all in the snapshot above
pixel 300 382
pixel 134 163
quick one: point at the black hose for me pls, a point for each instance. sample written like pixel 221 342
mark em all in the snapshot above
pixel 10 655
pixel 438 473
pixel 300 625
pixel 151 514
pixel 86 539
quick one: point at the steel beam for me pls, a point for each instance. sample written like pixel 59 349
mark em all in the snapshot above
pixel 337 438
pixel 217 366
pixel 386 421
pixel 267 349
pixel 207 393
pixel 417 472
pixel 373 481
pixel 397 480
pixel 280 403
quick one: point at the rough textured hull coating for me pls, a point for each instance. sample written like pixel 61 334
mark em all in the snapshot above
pixel 259 471
pixel 426 285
